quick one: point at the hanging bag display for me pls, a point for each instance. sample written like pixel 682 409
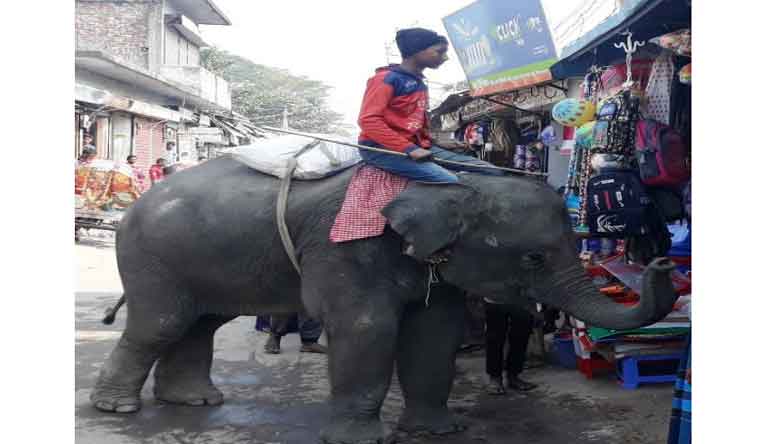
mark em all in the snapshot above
pixel 613 132
pixel 659 89
pixel 617 204
pixel 661 154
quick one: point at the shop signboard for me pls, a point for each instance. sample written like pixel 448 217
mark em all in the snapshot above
pixel 528 98
pixel 502 45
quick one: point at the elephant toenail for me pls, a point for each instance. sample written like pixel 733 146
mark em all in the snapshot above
pixel 104 406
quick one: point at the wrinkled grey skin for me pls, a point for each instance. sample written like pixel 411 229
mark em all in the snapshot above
pixel 202 247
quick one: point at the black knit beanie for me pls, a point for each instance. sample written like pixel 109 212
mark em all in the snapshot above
pixel 414 40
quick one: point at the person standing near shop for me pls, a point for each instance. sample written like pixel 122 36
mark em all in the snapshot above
pixel 157 171
pixel 309 333
pixel 88 143
pixel 139 175
pixel 86 157
pixel 514 324
pixel 170 155
pixel 393 113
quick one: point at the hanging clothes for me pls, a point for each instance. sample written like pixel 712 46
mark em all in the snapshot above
pixel 519 160
pixel 473 135
pixel 658 91
pixel 533 159
pixel 548 135
pixel 485 127
pixel 503 134
pixel 459 134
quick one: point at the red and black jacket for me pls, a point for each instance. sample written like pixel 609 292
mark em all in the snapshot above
pixel 393 113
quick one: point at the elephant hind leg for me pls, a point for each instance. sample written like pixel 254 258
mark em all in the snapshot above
pixel 426 353
pixel 157 316
pixel 182 374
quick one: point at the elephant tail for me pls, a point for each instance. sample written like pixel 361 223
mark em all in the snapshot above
pixel 110 313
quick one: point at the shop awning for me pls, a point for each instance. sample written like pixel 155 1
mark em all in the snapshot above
pixel 105 99
pixel 452 103
pixel 644 18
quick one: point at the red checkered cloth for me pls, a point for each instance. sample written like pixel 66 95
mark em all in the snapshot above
pixel 370 190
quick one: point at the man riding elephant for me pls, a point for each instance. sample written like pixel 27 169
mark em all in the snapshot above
pixel 394 115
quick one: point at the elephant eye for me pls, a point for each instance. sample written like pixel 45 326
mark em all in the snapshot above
pixel 533 260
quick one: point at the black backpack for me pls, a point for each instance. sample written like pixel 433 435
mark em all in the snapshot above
pixel 617 205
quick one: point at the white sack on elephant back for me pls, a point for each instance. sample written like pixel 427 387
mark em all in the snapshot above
pixel 271 156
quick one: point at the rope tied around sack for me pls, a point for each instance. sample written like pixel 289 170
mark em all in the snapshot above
pixel 282 202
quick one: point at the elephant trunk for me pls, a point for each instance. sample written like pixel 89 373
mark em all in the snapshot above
pixel 574 293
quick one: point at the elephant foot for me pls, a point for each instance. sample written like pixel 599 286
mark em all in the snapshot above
pixel 115 400
pixel 357 432
pixel 188 393
pixel 437 421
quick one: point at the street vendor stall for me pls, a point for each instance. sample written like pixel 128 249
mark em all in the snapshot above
pixel 104 189
pixel 628 187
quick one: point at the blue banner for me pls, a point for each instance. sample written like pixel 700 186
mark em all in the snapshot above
pixel 502 44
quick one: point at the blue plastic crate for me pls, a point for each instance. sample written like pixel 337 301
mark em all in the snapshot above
pixel 564 351
pixel 651 369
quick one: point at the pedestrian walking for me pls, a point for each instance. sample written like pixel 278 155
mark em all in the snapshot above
pixel 309 332
pixel 139 175
pixel 157 173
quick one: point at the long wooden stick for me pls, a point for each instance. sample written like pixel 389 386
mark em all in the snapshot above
pixel 397 153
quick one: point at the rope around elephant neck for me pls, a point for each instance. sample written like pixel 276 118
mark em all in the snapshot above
pixel 433 279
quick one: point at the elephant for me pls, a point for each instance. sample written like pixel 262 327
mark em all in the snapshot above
pixel 202 247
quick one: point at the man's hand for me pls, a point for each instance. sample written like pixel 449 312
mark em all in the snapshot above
pixel 450 144
pixel 420 154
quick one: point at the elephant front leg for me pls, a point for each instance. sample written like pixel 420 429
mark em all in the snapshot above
pixel 361 336
pixel 428 340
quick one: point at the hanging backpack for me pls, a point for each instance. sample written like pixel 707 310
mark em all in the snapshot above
pixel 617 205
pixel 661 154
pixel 613 132
pixel 669 201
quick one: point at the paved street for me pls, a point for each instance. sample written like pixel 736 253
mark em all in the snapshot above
pixel 282 398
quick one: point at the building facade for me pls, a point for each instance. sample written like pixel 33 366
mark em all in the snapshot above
pixel 139 81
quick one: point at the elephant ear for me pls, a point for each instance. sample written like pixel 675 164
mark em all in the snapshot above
pixel 428 217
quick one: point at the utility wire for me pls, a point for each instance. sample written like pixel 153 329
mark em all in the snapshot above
pixel 580 21
pixel 574 12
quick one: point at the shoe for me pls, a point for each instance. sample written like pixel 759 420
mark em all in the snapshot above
pixel 516 383
pixel 273 345
pixel 312 347
pixel 495 386
pixel 532 364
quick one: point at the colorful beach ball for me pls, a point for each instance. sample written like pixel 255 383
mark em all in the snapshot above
pixel 685 74
pixel 573 112
pixel 585 134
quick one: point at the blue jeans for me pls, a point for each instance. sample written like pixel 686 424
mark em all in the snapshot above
pixel 426 171
pixel 309 329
